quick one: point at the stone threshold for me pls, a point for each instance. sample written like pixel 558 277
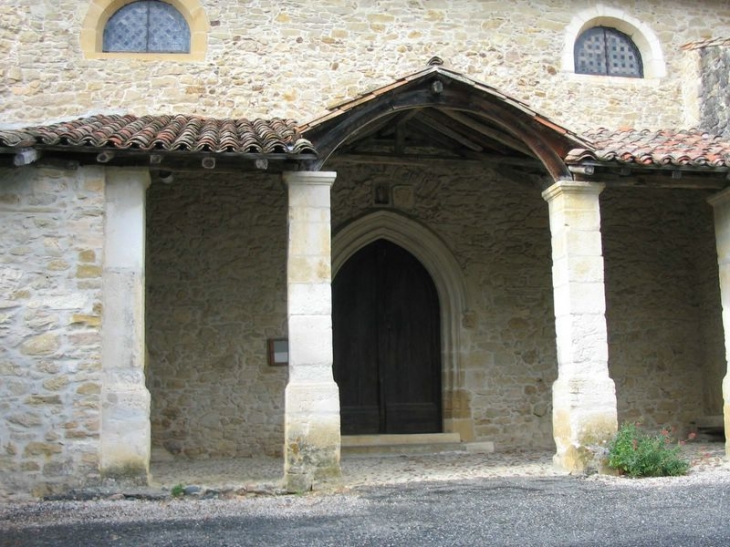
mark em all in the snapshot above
pixel 418 443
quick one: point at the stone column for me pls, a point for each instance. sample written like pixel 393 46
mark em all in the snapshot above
pixel 721 204
pixel 125 401
pixel 584 396
pixel 312 413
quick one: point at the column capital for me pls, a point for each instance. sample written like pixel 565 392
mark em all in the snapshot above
pixel 719 199
pixel 128 174
pixel 572 186
pixel 296 178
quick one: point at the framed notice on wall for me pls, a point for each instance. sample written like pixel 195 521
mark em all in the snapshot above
pixel 278 352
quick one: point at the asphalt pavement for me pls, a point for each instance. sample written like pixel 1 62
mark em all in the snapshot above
pixel 541 511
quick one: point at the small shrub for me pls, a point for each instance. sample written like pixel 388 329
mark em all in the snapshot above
pixel 638 454
pixel 177 491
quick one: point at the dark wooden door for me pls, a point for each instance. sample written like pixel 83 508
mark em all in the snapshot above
pixel 387 343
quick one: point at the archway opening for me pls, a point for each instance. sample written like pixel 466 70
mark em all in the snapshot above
pixel 387 349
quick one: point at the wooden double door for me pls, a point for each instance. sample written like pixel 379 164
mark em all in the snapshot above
pixel 387 343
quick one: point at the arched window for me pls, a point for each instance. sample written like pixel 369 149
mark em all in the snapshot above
pixel 608 52
pixel 147 26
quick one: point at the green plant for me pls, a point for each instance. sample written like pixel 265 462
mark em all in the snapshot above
pixel 177 491
pixel 636 453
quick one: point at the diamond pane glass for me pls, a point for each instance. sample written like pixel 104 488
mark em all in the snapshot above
pixel 147 26
pixel 608 52
pixel 168 30
pixel 590 52
pixel 623 56
pixel 126 30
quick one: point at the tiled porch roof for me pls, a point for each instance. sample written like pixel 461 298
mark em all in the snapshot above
pixel 436 68
pixel 167 133
pixel 181 133
pixel 663 148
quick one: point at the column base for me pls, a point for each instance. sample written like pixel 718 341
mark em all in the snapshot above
pixel 312 437
pixel 125 447
pixel 584 421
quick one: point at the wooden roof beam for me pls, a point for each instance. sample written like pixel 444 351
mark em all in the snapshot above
pixel 489 132
pixel 428 135
pixel 450 133
pixel 476 136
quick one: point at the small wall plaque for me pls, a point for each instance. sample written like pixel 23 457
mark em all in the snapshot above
pixel 381 195
pixel 278 352
pixel 403 197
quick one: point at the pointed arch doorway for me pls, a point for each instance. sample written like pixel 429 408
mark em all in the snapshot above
pixel 387 343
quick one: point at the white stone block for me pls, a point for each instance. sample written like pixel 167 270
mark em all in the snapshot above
pixel 581 339
pixel 309 214
pixel 309 239
pixel 306 196
pixel 123 320
pixel 578 269
pixel 308 400
pixel 125 218
pixel 72 301
pixel 309 298
pixel 573 243
pixel 309 269
pixel 310 373
pixel 579 298
pixel 310 340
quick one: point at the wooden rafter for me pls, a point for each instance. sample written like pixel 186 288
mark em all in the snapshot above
pixel 449 132
pixel 466 131
pixel 429 136
pixel 488 132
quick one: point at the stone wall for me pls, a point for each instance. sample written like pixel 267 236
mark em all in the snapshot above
pixel 50 307
pixel 498 231
pixel 217 248
pixel 216 291
pixel 714 100
pixel 662 304
pixel 283 58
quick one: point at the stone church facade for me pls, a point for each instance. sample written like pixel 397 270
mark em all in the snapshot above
pixel 444 220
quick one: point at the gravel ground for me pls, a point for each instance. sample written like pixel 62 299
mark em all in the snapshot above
pixel 265 473
pixel 364 479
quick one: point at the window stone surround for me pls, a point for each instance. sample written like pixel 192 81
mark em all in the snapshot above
pixel 640 33
pixel 92 31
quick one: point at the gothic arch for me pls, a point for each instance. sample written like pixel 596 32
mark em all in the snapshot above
pixel 440 263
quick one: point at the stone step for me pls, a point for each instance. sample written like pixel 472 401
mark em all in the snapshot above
pixel 710 428
pixel 417 438
pixel 430 443
pixel 717 422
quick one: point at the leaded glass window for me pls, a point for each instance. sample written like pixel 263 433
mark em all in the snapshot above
pixel 608 52
pixel 148 26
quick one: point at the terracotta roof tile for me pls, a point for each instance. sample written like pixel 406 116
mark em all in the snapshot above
pixel 690 148
pixel 678 148
pixel 170 133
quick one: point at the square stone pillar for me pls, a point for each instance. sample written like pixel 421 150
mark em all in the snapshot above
pixel 584 396
pixel 721 203
pixel 312 403
pixel 125 401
